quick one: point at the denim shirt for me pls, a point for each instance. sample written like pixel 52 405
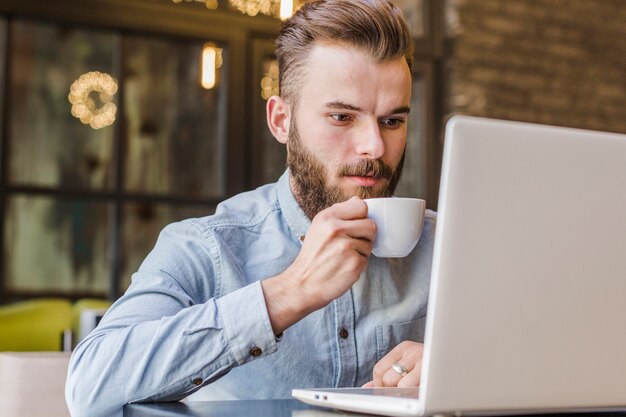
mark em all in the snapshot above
pixel 194 317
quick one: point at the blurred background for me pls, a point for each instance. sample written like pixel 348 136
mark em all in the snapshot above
pixel 120 116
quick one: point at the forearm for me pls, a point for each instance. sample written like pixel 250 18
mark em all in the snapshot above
pixel 130 358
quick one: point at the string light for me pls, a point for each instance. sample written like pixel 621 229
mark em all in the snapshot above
pixel 253 7
pixel 210 4
pixel 92 85
pixel 269 83
pixel 280 8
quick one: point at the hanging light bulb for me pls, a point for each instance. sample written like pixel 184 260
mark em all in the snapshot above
pixel 210 61
pixel 286 9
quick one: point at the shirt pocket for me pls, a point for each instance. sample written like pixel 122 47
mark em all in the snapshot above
pixel 389 336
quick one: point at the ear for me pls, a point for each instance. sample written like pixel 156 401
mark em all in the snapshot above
pixel 278 118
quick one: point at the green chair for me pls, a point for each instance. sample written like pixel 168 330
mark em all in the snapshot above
pixel 34 325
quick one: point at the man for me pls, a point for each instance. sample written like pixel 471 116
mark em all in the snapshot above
pixel 278 289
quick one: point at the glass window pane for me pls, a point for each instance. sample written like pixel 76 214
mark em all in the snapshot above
pixel 48 146
pixel 413 182
pixel 142 224
pixel 175 128
pixel 56 245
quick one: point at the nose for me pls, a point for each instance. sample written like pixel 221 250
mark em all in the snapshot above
pixel 369 141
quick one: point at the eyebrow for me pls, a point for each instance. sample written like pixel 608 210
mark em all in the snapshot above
pixel 345 106
pixel 403 109
pixel 342 105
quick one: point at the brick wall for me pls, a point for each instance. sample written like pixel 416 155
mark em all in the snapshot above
pixel 560 62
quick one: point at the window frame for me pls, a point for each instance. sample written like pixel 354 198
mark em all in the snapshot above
pixel 188 22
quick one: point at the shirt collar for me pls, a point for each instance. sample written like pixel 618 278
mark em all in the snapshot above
pixel 297 221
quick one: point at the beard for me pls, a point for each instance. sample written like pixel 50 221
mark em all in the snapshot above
pixel 309 177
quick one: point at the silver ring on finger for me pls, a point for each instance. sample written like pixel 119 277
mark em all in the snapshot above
pixel 399 369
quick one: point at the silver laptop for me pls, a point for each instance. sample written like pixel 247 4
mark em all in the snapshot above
pixel 527 309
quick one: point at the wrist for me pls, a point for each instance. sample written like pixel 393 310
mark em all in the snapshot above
pixel 288 300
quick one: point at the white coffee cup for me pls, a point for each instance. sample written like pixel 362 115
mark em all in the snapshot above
pixel 399 224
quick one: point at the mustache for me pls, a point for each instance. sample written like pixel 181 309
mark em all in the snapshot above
pixel 367 167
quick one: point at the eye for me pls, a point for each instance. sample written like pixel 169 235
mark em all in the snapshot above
pixel 340 117
pixel 392 123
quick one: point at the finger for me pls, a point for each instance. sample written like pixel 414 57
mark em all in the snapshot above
pixel 407 353
pixel 412 379
pixel 383 366
pixel 354 208
pixel 362 247
pixel 377 377
pixel 387 361
pixel 360 229
pixel 368 385
pixel 391 378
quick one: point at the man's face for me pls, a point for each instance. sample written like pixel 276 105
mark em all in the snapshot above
pixel 348 132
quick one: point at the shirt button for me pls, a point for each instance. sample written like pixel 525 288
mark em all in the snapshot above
pixel 197 381
pixel 302 238
pixel 343 333
pixel 256 351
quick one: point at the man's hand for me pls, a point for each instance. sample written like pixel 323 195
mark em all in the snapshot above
pixel 334 253
pixel 408 355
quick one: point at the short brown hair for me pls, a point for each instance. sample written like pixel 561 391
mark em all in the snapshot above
pixel 376 26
